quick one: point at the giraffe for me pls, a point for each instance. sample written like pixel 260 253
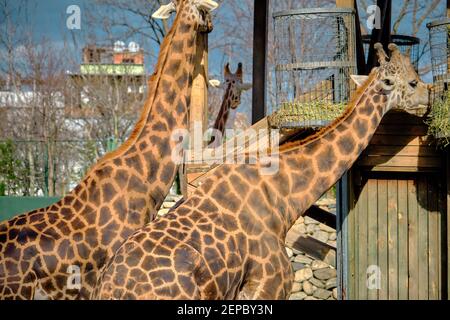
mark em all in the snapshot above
pixel 227 240
pixel 46 248
pixel 233 86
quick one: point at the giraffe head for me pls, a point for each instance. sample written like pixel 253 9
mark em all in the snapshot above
pixel 197 9
pixel 397 80
pixel 233 85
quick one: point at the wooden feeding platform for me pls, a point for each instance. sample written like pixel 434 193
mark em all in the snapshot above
pixel 393 214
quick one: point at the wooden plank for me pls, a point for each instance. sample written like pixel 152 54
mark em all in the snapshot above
pixel 352 235
pixel 413 259
pixel 392 189
pixel 402 117
pixel 447 214
pixel 400 169
pixel 418 151
pixel 402 252
pixel 312 247
pixel 433 238
pixel 382 241
pixel 422 228
pixel 345 3
pixel 384 140
pixel 402 130
pixel 372 232
pixel 321 215
pixel 362 227
pixel 401 161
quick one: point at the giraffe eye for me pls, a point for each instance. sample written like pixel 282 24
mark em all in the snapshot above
pixel 388 82
pixel 413 84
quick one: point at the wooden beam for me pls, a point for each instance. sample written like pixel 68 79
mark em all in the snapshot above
pixel 311 246
pixel 198 109
pixel 345 3
pixel 321 215
pixel 448 219
pixel 260 30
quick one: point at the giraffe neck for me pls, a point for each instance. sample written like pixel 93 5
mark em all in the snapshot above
pixel 317 164
pixel 166 108
pixel 223 114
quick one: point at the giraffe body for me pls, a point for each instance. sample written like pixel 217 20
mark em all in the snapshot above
pixel 121 193
pixel 227 240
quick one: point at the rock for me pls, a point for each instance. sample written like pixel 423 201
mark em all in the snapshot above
pixel 302 259
pixel 331 283
pixel 297 296
pixel 296 252
pixel 317 283
pixel 325 273
pixel 162 212
pixel 173 198
pixel 303 274
pixel 300 220
pixel 335 293
pixel 330 259
pixel 307 288
pixel 289 252
pixel 332 243
pixel 296 287
pixel 310 298
pixel 309 220
pixel 326 228
pixel 322 294
pixel 332 236
pixel 310 228
pixel 321 236
pixel 300 228
pixel 297 266
pixel 168 205
pixel 317 264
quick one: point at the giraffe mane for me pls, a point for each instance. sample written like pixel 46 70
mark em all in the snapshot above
pixel 154 79
pixel 350 108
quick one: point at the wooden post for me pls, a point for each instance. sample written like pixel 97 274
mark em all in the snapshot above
pixel 448 224
pixel 342 195
pixel 198 109
pixel 260 30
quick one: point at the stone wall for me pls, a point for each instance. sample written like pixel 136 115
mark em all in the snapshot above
pixel 314 279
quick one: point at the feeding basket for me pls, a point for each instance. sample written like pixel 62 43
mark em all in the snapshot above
pixel 407 45
pixel 439 119
pixel 314 58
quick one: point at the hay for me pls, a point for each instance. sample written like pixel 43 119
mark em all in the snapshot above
pixel 439 119
pixel 306 112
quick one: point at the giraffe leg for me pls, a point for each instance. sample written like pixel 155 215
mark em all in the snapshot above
pixel 277 287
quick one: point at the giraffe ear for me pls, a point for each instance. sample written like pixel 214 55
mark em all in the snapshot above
pixel 359 80
pixel 215 83
pixel 164 11
pixel 245 86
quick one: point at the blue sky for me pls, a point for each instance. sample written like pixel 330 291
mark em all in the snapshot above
pixel 47 18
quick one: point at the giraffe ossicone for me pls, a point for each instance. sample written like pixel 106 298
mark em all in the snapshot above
pixel 226 241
